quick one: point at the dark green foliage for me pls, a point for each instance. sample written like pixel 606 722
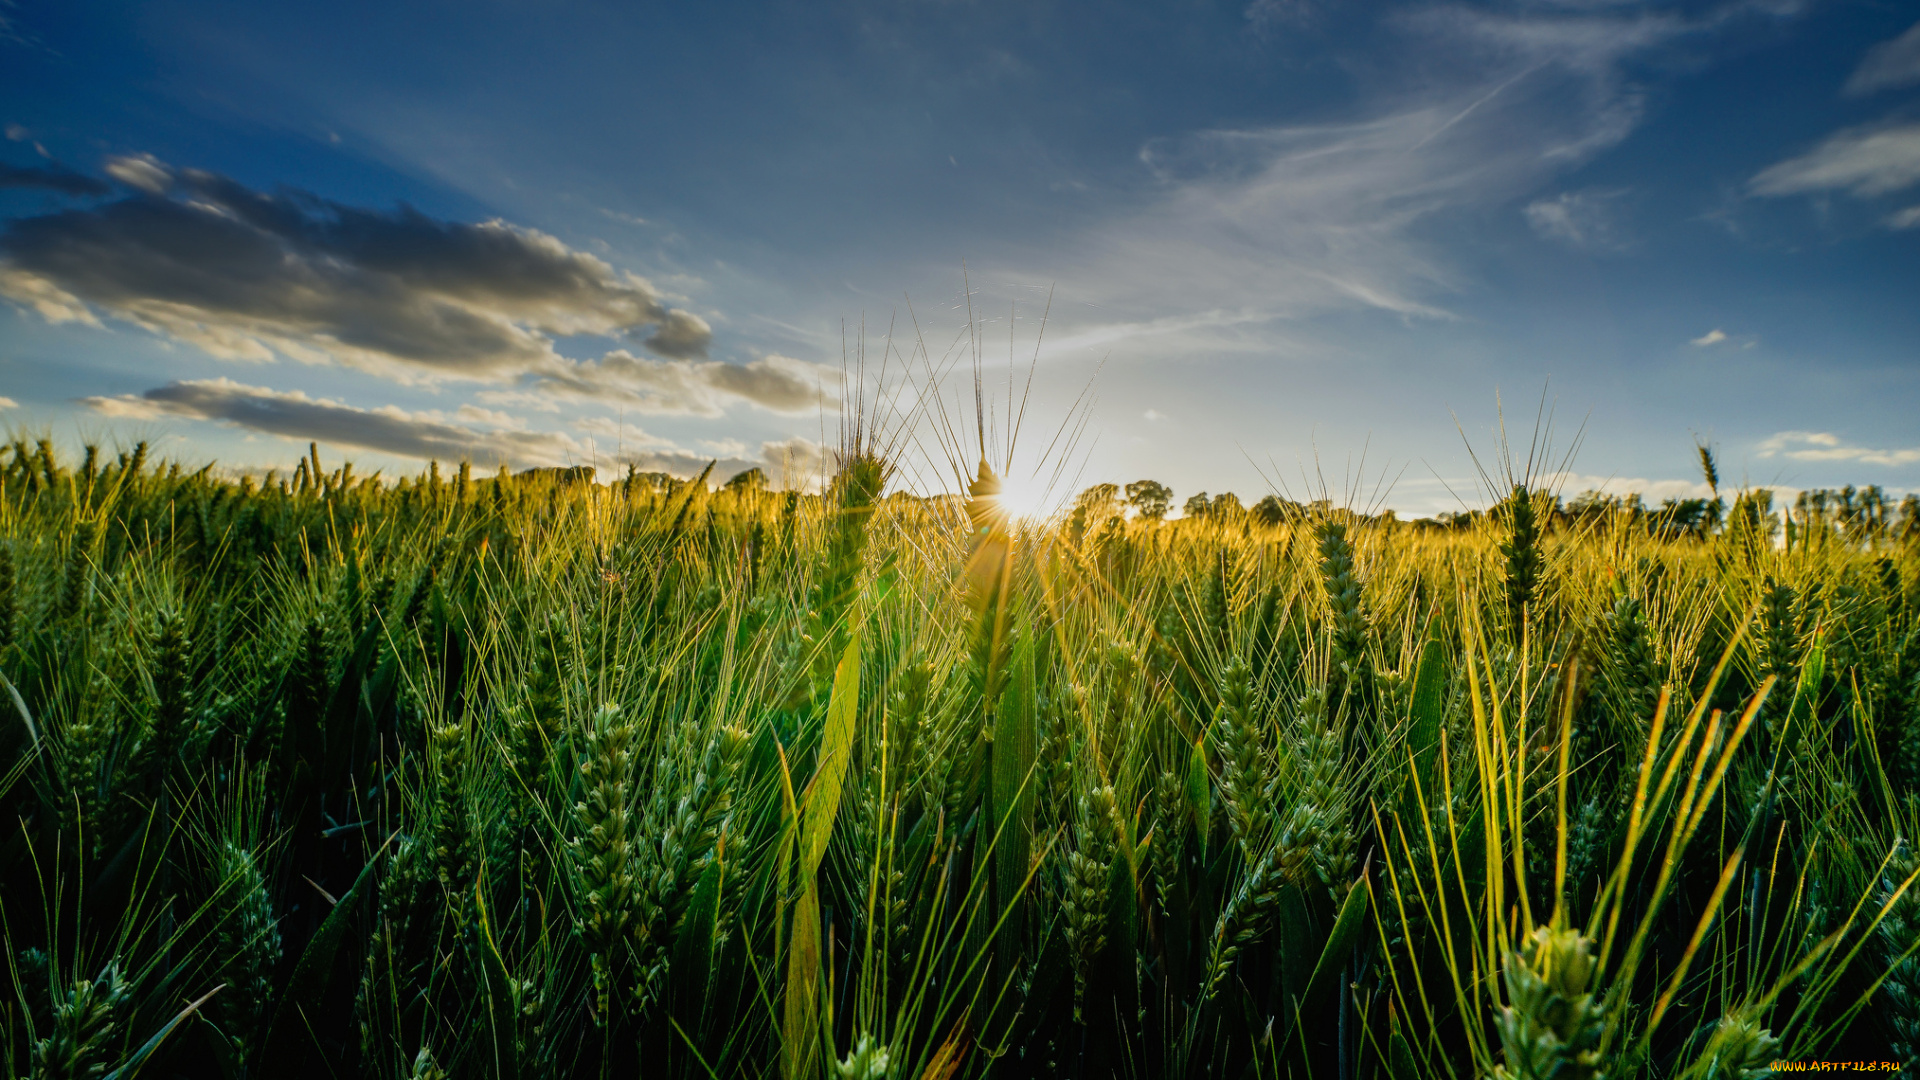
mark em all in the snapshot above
pixel 1898 896
pixel 1149 498
pixel 526 776
pixel 9 598
pixel 85 1015
pixel 1553 1027
pixel 1520 548
pixel 1343 596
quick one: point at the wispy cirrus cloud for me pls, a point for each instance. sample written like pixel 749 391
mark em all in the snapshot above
pixel 1888 65
pixel 1865 161
pixel 1588 220
pixel 1287 221
pixel 1827 446
pixel 779 384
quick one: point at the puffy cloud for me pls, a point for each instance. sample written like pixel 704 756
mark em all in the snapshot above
pixel 696 387
pixel 1866 161
pixel 1581 219
pixel 1888 65
pixel 8 403
pixel 386 430
pixel 682 334
pixel 1826 446
pixel 1711 337
pixel 53 178
pixel 247 275
pixel 1654 492
pixel 1569 484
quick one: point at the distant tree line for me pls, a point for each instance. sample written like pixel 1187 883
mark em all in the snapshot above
pixel 1860 514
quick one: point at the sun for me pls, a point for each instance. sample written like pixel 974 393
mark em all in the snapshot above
pixel 1026 497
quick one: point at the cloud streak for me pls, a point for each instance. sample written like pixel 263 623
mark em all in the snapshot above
pixel 1571 484
pixel 51 178
pixel 386 430
pixel 1826 446
pixel 1863 161
pixel 246 275
pixel 483 436
pixel 1888 65
pixel 1257 224
pixel 775 383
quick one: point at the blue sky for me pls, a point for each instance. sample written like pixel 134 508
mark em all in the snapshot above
pixel 1277 238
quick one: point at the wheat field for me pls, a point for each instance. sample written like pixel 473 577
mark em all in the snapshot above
pixel 504 775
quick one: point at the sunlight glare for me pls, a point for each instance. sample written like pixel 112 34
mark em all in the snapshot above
pixel 1026 498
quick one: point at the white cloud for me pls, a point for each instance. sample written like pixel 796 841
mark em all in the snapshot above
pixel 49 301
pixel 1711 337
pixel 1865 161
pixel 1888 65
pixel 1904 219
pixel 1581 219
pixel 8 403
pixel 1654 492
pixel 1154 414
pixel 143 171
pixel 1826 446
pixel 1570 484
pixel 474 414
pixel 126 407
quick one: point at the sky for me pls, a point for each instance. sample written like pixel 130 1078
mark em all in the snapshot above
pixel 1280 245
